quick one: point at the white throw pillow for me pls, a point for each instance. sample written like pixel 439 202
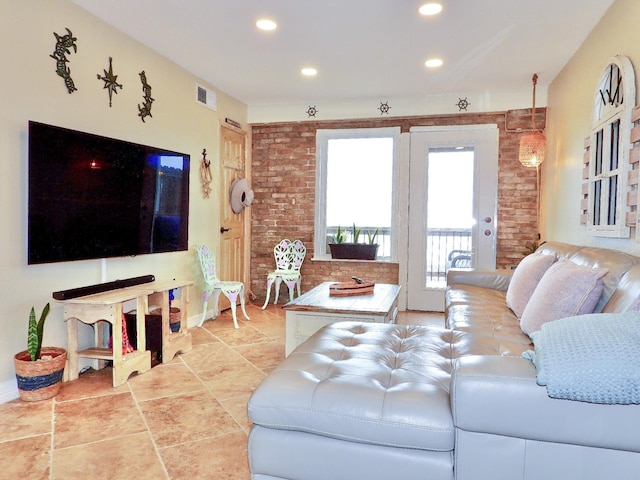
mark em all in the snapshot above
pixel 565 290
pixel 525 278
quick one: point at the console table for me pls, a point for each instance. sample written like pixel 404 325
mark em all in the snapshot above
pixel 108 307
pixel 313 310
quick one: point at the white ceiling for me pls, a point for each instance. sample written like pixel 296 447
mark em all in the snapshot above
pixel 361 48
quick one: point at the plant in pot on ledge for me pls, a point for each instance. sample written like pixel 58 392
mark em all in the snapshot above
pixel 39 369
pixel 341 249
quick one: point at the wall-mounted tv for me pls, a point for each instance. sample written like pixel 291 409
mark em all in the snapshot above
pixel 97 197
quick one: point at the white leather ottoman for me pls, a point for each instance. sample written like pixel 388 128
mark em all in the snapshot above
pixel 357 400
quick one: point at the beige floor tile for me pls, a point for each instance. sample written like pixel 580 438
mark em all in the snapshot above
pixel 201 336
pixel 233 379
pixel 208 361
pixel 237 408
pixel 165 380
pixel 185 418
pixel 26 459
pixel 265 356
pixel 124 458
pixel 240 336
pixel 194 460
pixel 95 419
pixel 20 419
pixel 93 383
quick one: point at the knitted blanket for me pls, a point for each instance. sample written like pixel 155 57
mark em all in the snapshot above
pixel 591 358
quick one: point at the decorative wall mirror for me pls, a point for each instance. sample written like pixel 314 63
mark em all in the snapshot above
pixel 606 202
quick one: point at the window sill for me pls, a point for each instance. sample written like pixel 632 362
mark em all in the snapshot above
pixel 346 260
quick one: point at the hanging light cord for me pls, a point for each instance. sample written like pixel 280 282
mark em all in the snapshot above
pixel 533 110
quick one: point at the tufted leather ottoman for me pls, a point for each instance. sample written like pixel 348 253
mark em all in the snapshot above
pixel 373 398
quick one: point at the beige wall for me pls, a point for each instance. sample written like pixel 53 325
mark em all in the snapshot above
pixel 569 106
pixel 31 90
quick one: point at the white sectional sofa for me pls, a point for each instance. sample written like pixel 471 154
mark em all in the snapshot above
pixel 375 401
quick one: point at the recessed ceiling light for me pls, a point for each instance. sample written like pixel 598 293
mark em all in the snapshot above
pixel 309 71
pixel 266 24
pixel 430 9
pixel 433 63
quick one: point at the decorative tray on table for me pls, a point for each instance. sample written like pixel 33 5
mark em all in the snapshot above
pixel 357 286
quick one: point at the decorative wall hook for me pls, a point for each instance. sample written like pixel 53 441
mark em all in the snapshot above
pixel 205 174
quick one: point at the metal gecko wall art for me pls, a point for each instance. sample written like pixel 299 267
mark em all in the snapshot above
pixel 110 81
pixel 64 44
pixel 145 109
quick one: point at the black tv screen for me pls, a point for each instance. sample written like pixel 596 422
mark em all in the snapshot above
pixel 97 197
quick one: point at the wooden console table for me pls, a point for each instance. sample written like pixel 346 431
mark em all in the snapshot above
pixel 108 307
pixel 308 313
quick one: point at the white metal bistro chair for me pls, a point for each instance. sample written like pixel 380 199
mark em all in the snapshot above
pixel 289 257
pixel 214 286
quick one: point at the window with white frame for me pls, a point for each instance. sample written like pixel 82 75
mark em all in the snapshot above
pixel 609 151
pixel 355 170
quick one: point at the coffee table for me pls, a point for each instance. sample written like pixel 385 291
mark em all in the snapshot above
pixel 308 313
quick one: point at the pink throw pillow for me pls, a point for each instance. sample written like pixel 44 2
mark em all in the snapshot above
pixel 565 290
pixel 525 279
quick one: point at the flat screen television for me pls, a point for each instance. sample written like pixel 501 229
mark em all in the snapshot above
pixel 96 197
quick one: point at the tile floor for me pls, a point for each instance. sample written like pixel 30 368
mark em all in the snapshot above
pixel 182 420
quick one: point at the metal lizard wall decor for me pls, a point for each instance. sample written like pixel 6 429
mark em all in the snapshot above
pixel 145 109
pixel 63 45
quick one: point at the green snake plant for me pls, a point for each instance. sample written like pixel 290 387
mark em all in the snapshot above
pixel 35 331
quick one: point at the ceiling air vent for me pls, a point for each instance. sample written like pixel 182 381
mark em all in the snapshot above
pixel 206 97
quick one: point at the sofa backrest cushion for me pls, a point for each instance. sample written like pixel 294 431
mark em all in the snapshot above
pixel 525 280
pixel 616 263
pixel 627 294
pixel 565 290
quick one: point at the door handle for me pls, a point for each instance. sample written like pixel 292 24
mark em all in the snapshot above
pixel 222 229
pixel 488 219
pixel 487 233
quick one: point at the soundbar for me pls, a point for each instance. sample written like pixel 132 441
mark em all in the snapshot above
pixel 102 287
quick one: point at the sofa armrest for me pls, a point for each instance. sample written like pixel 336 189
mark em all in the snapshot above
pixel 499 395
pixel 495 279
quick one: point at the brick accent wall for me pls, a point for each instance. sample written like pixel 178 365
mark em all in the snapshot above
pixel 283 179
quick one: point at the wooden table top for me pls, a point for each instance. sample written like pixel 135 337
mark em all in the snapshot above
pixel 318 299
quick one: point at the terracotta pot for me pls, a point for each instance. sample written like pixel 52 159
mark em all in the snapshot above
pixel 41 379
pixel 355 251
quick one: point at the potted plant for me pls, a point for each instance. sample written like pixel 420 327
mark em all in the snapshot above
pixel 39 369
pixel 340 249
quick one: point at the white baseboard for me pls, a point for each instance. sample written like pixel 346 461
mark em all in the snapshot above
pixel 8 391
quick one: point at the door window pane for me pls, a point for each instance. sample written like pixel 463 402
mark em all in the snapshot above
pixel 449 212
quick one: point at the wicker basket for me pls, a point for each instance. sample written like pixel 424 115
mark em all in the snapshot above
pixel 174 319
pixel 41 379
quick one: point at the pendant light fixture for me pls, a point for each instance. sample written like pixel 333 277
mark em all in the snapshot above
pixel 533 145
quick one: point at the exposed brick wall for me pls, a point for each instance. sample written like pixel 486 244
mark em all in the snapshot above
pixel 283 179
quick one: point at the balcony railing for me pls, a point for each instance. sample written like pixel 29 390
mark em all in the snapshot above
pixel 446 248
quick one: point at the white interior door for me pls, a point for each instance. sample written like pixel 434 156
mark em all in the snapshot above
pixel 452 207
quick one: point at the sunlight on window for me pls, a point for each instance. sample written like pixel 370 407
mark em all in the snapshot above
pixel 359 182
pixel 450 189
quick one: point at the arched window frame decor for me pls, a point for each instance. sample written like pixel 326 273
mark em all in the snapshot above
pixel 608 201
